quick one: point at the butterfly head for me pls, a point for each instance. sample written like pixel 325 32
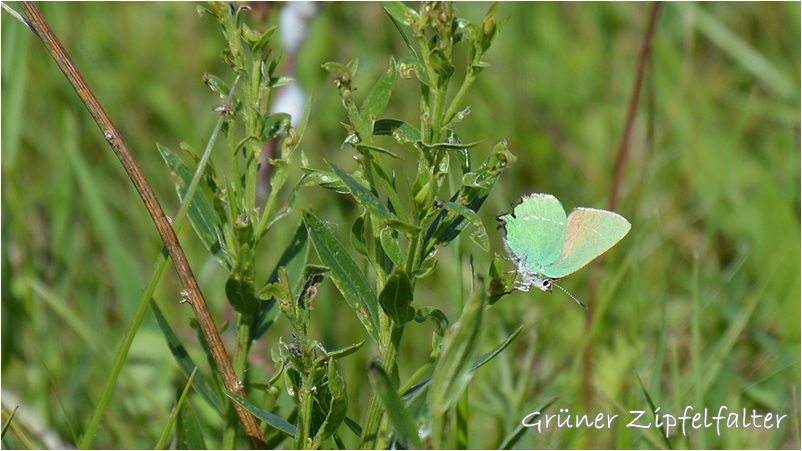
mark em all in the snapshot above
pixel 531 279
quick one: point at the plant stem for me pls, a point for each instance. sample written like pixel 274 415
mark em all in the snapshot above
pixel 305 414
pixel 457 100
pixel 192 291
pixel 373 420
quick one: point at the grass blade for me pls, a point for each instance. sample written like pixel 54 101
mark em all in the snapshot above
pixel 184 361
pixel 162 442
pixel 399 417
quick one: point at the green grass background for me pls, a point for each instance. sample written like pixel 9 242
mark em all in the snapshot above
pixel 701 301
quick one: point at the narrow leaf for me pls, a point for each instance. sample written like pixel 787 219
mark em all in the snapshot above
pixel 476 187
pixel 400 130
pixel 175 415
pixel 346 275
pixel 401 12
pixel 340 353
pixel 475 363
pixel 184 361
pixel 189 433
pixel 510 441
pixel 403 424
pixel 449 145
pixel 378 97
pixel 325 179
pixel 390 246
pixel 270 418
pixel 205 222
pixel 365 149
pixel 453 371
pixel 364 196
pixel 479 235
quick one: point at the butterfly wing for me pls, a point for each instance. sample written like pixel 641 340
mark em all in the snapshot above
pixel 536 230
pixel 590 233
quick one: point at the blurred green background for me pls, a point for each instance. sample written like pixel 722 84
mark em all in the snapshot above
pixel 700 302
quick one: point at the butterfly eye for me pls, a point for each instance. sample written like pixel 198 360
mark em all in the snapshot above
pixel 546 284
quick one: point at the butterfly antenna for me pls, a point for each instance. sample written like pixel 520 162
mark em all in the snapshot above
pixel 571 295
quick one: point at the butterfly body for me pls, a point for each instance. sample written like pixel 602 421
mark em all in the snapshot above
pixel 547 245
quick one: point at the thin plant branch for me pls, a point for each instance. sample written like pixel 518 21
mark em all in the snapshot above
pixel 192 293
pixel 621 157
pixel 634 100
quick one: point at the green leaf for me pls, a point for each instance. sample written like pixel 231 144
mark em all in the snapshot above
pixel 442 67
pixel 273 290
pixel 248 35
pixel 390 246
pixel 189 433
pixel 239 286
pixel 259 47
pixel 477 186
pixel 202 11
pixel 340 353
pixel 396 297
pixel 448 145
pixel 9 422
pixel 400 130
pixel 185 362
pixel 500 282
pixel 325 179
pixel 403 424
pixel 338 406
pixel 484 358
pixel 440 322
pixel 201 215
pixel 378 97
pixel 401 12
pixel 490 27
pixel 358 236
pixel 475 363
pixel 479 235
pixel 337 68
pixel 364 196
pixel 427 267
pixel 276 82
pixel 217 85
pixel 401 30
pixel 402 226
pixel 275 124
pixel 510 441
pixel 345 274
pixel 392 193
pixel 453 371
pixel 270 418
pixel 352 66
pixel 362 148
pixel 410 64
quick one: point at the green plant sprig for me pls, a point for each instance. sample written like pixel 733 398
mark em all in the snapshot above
pixel 436 30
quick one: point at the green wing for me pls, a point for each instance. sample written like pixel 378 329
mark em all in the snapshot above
pixel 590 233
pixel 536 230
